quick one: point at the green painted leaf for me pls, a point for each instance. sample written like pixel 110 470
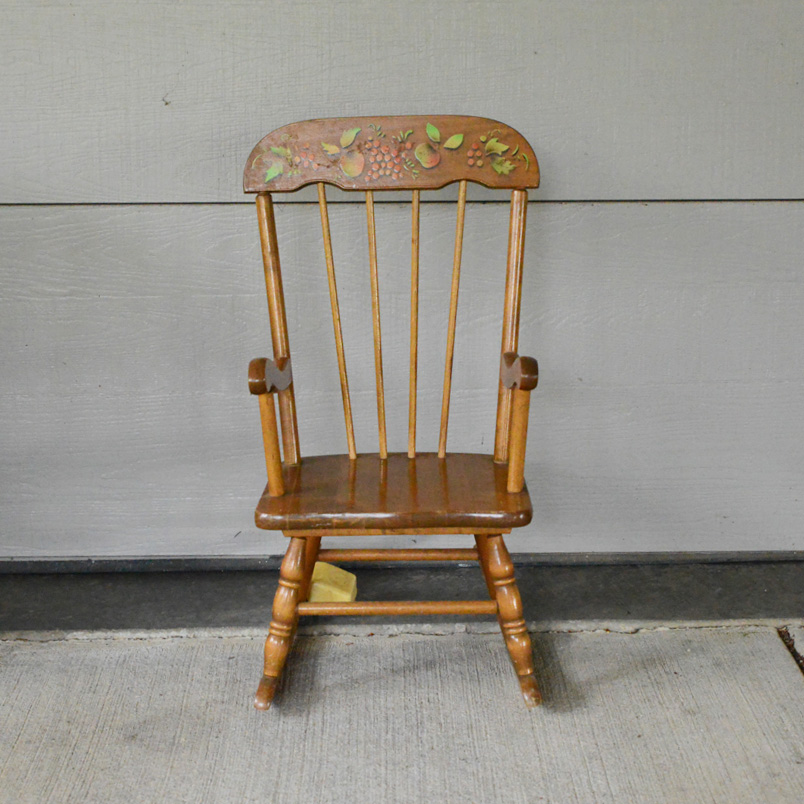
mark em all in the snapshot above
pixel 494 146
pixel 503 166
pixel 330 149
pixel 454 142
pixel 279 151
pixel 433 133
pixel 348 137
pixel 273 171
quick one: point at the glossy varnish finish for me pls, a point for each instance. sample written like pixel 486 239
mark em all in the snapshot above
pixel 331 491
pixel 416 493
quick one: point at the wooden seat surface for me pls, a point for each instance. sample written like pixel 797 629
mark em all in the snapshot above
pixel 332 491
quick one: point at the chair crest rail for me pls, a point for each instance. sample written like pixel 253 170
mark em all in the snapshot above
pixel 391 153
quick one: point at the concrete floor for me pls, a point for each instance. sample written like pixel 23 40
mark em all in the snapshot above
pixel 662 683
pixel 674 715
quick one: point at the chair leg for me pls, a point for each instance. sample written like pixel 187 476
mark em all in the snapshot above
pixel 498 570
pixel 283 620
pixel 311 548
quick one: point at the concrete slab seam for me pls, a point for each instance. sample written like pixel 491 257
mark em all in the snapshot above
pixel 390 630
pixel 790 644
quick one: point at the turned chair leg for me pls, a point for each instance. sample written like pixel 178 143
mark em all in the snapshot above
pixel 293 576
pixel 498 570
pixel 311 548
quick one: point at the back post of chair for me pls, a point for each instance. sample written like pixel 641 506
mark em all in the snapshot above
pixel 279 324
pixel 511 308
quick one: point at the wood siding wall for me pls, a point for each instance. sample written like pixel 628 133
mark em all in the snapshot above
pixel 663 283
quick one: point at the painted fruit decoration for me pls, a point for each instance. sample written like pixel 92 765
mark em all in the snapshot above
pixel 490 151
pixel 350 160
pixel 371 154
pixel 427 153
pixel 353 163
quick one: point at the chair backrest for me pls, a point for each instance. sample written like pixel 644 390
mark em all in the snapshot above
pixel 392 153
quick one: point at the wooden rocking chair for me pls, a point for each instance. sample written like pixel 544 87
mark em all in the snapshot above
pixel 403 493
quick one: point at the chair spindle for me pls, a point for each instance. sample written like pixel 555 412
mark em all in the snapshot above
pixel 279 324
pixel 336 320
pixel 453 317
pixel 414 323
pixel 513 298
pixel 375 310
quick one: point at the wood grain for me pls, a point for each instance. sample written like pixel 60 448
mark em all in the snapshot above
pixel 414 322
pixel 278 319
pixel 397 608
pixel 336 321
pixel 376 323
pixel 519 371
pixel 511 312
pixel 391 153
pixel 519 439
pixel 267 376
pixel 270 440
pixel 335 492
pixel 453 320
pixel 410 554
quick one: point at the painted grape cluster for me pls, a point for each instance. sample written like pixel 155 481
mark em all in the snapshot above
pixel 375 156
pixel 387 158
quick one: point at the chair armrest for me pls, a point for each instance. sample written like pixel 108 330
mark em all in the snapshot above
pixel 521 374
pixel 267 376
pixel 519 371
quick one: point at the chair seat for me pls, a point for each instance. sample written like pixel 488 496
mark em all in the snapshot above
pixel 333 492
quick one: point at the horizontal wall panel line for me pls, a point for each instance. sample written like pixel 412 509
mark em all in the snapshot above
pixel 224 563
pixel 279 200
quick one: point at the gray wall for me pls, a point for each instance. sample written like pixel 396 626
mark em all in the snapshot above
pixel 663 289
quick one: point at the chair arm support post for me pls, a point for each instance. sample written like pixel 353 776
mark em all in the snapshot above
pixel 265 378
pixel 519 438
pixel 521 374
pixel 270 440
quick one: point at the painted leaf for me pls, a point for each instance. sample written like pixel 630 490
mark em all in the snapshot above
pixel 280 151
pixel 273 171
pixel 527 161
pixel 494 146
pixel 348 137
pixel 455 141
pixel 330 149
pixel 503 166
pixel 433 133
